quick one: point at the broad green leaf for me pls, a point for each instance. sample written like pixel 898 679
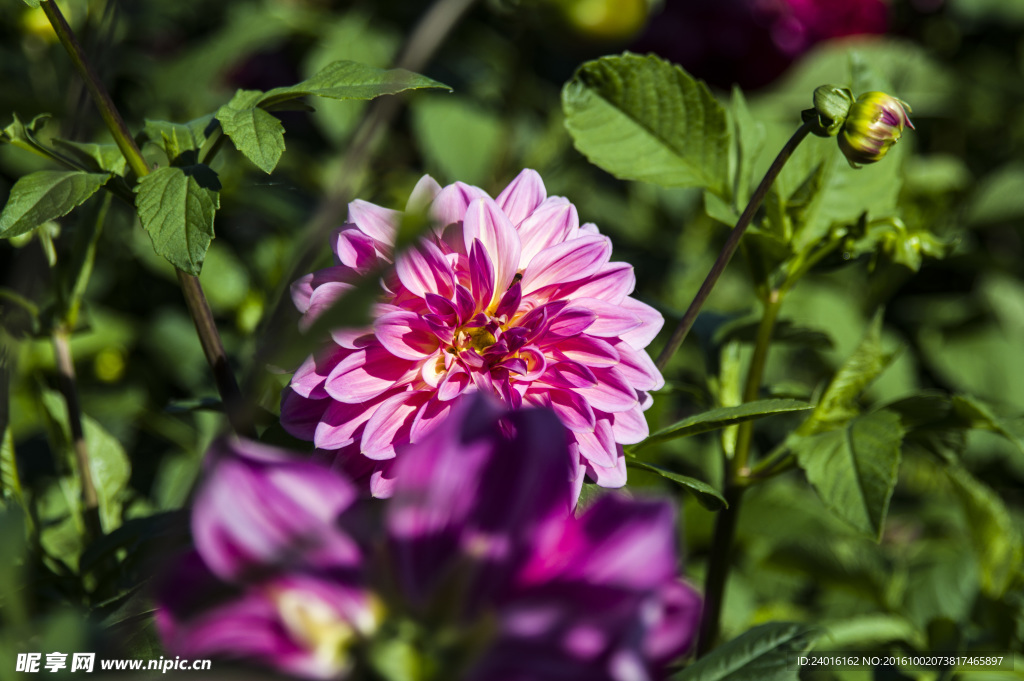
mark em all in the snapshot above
pixel 981 415
pixel 708 496
pixel 98 158
pixel 867 631
pixel 931 425
pixel 998 197
pixel 997 541
pixel 350 80
pixel 641 118
pixel 110 470
pixel 254 132
pixel 722 417
pixel 853 468
pixel 179 138
pixel 176 207
pixel 19 132
pixel 749 135
pixel 765 653
pixel 34 4
pixel 46 195
pixel 838 404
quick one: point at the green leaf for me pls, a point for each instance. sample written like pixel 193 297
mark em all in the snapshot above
pixel 110 470
pixel 46 195
pixel 708 496
pixel 459 138
pixel 765 653
pixel 10 479
pixel 98 158
pixel 641 118
pixel 722 417
pixel 838 404
pixel 179 138
pixel 853 468
pixel 254 132
pixel 19 132
pixel 350 80
pixel 176 207
pixel 982 415
pixel 995 538
pixel 34 4
pixel 749 135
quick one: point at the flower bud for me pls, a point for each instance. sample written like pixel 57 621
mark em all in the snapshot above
pixel 875 123
pixel 831 106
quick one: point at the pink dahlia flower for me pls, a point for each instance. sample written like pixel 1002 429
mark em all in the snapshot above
pixel 508 296
pixel 476 569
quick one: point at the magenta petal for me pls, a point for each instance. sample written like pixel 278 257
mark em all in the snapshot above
pixel 570 375
pixel 481 277
pixel 586 350
pixel 566 262
pixel 405 335
pixel 630 427
pixel 639 369
pixel 309 378
pixel 356 250
pixel 612 393
pixel 429 416
pixel 572 321
pixel 382 480
pixel 611 321
pixel 423 269
pixel 549 224
pixel 651 319
pixel 573 411
pixel 259 504
pixel 378 223
pixel 322 299
pixel 301 290
pixel 451 203
pixel 367 373
pixel 485 221
pixel 301 416
pixel 612 478
pixel 390 424
pixel 598 446
pixel 522 196
pixel 341 423
pixel 612 283
pixel 677 608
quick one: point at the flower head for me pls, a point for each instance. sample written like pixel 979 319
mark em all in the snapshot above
pixel 874 123
pixel 478 570
pixel 510 296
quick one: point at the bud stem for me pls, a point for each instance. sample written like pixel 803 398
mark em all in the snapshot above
pixel 731 244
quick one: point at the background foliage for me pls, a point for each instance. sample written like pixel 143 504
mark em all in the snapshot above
pixel 906 327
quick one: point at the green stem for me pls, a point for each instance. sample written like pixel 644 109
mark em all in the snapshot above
pixel 69 389
pixel 195 299
pixel 116 124
pixel 754 376
pixel 731 244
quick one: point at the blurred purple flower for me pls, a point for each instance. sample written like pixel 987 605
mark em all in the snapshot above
pixel 480 565
pixel 509 296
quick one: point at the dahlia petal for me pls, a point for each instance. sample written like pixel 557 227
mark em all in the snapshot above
pixel 453 384
pixel 548 225
pixel 572 321
pixel 573 411
pixel 612 478
pixel 423 194
pixel 301 416
pixel 382 480
pixel 352 339
pixel 566 262
pixel 536 362
pixel 638 368
pixel 341 423
pixel 367 373
pixel 630 427
pixel 301 290
pixel 598 446
pixel 443 308
pixel 651 319
pixel 611 321
pixel 405 335
pixel 380 224
pixel 571 375
pixel 645 398
pixel 612 283
pixel 509 303
pixel 612 393
pixel 586 350
pixel 465 303
pixel 481 276
pixel 589 228
pixel 423 269
pixel 356 249
pixel 485 221
pixel 429 416
pixel 391 423
pixel 677 610
pixel 522 196
pixel 321 300
pixel 309 378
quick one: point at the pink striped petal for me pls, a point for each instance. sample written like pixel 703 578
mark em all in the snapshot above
pixel 300 416
pixel 341 423
pixel 453 384
pixel 391 423
pixel 611 321
pixel 322 299
pixel 536 362
pixel 301 290
pixel 355 249
pixel 573 410
pixel 428 417
pixel 382 480
pixel 612 283
pixel 569 375
pixel 485 221
pixel 522 196
pixel 352 339
pixel 598 446
pixel 638 368
pixel 630 427
pixel 547 226
pixel 423 194
pixel 450 204
pixel 309 378
pixel 612 393
pixel 651 319
pixel 566 262
pixel 572 321
pixel 481 276
pixel 367 373
pixel 423 269
pixel 586 350
pixel 405 335
pixel 610 477
pixel 378 223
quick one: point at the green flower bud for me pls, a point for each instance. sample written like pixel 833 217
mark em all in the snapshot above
pixel 875 123
pixel 831 106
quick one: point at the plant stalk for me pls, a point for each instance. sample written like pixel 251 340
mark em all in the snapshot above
pixel 195 299
pixel 731 244
pixel 69 389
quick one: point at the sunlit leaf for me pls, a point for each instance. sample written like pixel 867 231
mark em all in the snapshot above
pixel 722 417
pixel 98 158
pixel 765 653
pixel 254 132
pixel 177 206
pixel 641 118
pixel 46 195
pixel 350 80
pixel 708 496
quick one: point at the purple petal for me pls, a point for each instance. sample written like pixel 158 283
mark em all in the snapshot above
pixel 589 351
pixel 405 335
pixel 423 269
pixel 612 393
pixel 572 410
pixel 380 224
pixel 611 321
pixel 565 262
pixel 451 203
pixel 630 427
pixel 612 478
pixel 612 283
pixel 638 368
pixel 367 373
pixel 341 423
pixel 423 194
pixel 481 276
pixel 356 250
pixel 651 323
pixel 300 416
pixel 572 321
pixel 598 446
pixel 549 224
pixel 485 221
pixel 322 299
pixel 391 423
pixel 570 375
pixel 522 196
pixel 676 613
